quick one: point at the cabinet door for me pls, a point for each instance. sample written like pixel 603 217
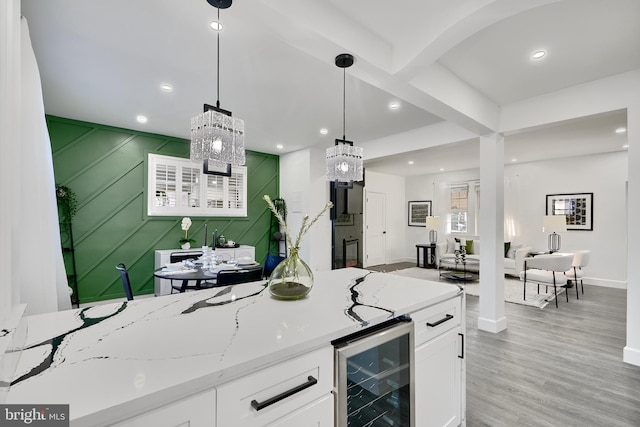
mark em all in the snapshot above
pixel 316 414
pixel 195 411
pixel 438 376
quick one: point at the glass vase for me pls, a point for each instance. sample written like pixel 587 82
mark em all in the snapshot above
pixel 292 279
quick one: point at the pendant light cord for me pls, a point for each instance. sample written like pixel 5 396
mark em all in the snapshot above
pixel 218 63
pixel 344 103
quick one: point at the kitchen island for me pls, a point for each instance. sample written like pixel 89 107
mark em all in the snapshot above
pixel 192 353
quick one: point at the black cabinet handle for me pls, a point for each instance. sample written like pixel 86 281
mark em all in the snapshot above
pixel 261 405
pixel 434 324
pixel 461 356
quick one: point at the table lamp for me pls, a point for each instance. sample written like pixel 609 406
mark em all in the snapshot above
pixel 554 224
pixel 433 224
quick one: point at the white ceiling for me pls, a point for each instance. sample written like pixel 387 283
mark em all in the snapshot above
pixel 103 62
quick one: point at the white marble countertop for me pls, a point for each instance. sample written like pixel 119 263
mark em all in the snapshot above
pixel 112 360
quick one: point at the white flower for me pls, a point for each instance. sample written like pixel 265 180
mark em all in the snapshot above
pixel 186 223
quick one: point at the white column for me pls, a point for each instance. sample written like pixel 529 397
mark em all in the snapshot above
pixel 492 317
pixel 9 153
pixel 304 187
pixel 632 349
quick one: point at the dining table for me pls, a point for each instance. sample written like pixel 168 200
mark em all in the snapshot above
pixel 204 277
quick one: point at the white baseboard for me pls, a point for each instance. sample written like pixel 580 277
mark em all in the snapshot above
pixel 617 284
pixel 631 355
pixel 491 325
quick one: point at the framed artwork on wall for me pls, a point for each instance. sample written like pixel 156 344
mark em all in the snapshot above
pixel 577 207
pixel 418 213
pixel 344 219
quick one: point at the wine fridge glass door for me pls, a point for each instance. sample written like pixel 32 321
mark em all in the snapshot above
pixel 374 379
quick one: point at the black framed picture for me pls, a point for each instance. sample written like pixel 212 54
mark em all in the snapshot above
pixel 418 213
pixel 577 207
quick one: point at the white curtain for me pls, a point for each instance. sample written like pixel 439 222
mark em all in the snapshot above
pixel 43 281
pixel 511 208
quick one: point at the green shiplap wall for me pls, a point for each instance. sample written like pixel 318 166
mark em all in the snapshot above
pixel 106 168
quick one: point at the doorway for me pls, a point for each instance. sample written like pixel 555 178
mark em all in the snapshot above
pixel 375 238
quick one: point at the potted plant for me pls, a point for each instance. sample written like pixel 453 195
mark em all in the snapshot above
pixel 67 201
pixel 186 241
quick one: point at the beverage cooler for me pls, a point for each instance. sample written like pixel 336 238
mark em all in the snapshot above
pixel 374 373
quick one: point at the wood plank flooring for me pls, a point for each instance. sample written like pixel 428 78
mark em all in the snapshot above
pixel 552 367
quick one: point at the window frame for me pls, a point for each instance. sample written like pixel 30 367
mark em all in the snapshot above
pixel 458 211
pixel 237 191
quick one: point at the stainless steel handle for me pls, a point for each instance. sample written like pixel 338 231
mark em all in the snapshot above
pixel 261 405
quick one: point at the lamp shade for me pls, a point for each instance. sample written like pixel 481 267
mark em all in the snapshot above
pixel 433 222
pixel 554 224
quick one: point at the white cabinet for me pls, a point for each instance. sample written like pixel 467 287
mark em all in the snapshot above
pixel 195 411
pixel 316 414
pixel 438 381
pixel 163 257
pixel 296 392
pixel 439 365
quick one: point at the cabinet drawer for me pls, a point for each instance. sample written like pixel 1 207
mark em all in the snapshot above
pixel 246 401
pixel 194 411
pixel 433 321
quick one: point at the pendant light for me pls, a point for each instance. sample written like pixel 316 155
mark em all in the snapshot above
pixel 217 138
pixel 344 161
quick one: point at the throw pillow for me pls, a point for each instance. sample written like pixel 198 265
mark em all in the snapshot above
pixel 476 247
pixel 507 245
pixel 451 246
pixel 512 251
pixel 469 247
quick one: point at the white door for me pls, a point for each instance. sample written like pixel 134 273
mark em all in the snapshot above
pixel 375 238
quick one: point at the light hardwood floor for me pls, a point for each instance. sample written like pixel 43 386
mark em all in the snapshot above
pixel 552 367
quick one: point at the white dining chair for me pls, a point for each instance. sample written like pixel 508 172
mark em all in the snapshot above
pixel 542 270
pixel 575 273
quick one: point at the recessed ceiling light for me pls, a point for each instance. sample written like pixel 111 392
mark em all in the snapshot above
pixel 216 25
pixel 166 87
pixel 141 119
pixel 538 54
pixel 514 160
pixel 441 169
pixel 394 105
pixel 621 130
pixel 324 131
pixel 279 146
pixel 625 146
pixel 410 162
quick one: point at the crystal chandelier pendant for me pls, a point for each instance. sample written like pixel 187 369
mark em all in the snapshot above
pixel 344 161
pixel 216 137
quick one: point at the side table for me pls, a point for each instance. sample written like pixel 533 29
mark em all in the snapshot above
pixel 428 255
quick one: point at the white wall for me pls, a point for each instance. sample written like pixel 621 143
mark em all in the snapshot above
pixel 526 187
pixel 304 188
pixel 393 187
pixel 603 175
pixel 10 88
pixel 431 187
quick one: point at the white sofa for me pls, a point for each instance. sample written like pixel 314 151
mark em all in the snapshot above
pixel 513 261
